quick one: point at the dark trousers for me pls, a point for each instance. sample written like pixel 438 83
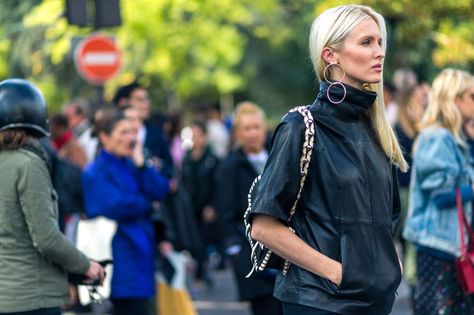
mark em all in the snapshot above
pixel 295 309
pixel 132 306
pixel 266 305
pixel 42 311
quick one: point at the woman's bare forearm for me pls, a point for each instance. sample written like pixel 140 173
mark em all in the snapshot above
pixel 285 243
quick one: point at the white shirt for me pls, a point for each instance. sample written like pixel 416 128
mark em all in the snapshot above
pixel 258 160
pixel 219 138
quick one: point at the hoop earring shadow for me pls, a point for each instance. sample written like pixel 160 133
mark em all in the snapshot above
pixel 331 84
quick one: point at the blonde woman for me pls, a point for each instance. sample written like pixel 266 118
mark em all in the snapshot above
pixel 343 257
pixel 441 163
pixel 233 179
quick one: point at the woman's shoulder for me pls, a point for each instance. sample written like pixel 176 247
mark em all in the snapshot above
pixel 437 134
pixel 21 162
pixel 235 157
pixel 292 123
pixel 96 167
pixel 436 130
pixel 292 117
pixel 435 143
pixel 20 157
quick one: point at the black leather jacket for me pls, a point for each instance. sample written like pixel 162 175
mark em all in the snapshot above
pixel 348 209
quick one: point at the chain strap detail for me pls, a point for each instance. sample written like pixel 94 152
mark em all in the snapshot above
pixel 307 151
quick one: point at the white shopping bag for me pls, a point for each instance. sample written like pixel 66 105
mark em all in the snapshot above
pixel 94 239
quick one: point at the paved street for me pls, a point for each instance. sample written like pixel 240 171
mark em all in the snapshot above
pixel 220 300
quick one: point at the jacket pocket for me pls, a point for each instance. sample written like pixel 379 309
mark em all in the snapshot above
pixel 54 200
pixel 370 266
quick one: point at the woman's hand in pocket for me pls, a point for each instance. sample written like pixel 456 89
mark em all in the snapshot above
pixel 336 273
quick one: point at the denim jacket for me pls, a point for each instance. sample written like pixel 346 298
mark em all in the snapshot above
pixel 439 165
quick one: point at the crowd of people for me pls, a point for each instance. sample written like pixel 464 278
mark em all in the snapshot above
pixel 380 200
pixel 140 176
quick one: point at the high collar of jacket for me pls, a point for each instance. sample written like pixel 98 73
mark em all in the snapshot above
pixel 112 159
pixel 34 145
pixel 355 103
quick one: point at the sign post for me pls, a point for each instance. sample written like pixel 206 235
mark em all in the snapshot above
pixel 97 59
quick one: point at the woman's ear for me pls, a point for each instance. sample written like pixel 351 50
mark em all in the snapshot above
pixel 328 55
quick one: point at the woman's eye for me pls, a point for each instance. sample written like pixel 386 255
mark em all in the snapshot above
pixel 366 42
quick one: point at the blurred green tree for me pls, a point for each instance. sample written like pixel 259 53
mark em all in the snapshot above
pixel 185 48
pixel 189 51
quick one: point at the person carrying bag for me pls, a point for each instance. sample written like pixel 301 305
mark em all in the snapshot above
pixel 465 263
pixel 441 195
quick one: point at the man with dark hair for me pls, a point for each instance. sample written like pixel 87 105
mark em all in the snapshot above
pixel 391 107
pixel 154 142
pixel 136 96
pixel 64 141
pixel 77 113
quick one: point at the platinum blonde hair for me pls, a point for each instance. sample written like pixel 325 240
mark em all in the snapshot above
pixel 330 29
pixel 442 110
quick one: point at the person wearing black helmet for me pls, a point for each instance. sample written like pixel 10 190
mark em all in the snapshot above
pixel 34 255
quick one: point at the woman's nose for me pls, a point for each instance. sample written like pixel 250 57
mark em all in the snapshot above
pixel 380 53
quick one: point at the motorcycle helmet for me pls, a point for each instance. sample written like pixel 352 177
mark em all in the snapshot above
pixel 22 106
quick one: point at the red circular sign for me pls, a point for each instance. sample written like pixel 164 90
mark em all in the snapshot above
pixel 97 59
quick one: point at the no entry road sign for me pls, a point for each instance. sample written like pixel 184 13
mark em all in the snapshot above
pixel 97 59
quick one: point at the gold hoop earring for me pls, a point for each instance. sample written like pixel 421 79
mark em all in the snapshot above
pixel 331 84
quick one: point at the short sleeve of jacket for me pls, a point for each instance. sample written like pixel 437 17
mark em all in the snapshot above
pixel 278 187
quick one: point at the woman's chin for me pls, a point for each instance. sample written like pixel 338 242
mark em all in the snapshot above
pixel 375 79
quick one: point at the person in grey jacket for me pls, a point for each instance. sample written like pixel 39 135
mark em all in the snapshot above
pixel 34 256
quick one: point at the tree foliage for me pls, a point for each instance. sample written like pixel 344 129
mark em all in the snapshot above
pixel 190 50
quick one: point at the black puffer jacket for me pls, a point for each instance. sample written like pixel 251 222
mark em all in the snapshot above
pixel 348 210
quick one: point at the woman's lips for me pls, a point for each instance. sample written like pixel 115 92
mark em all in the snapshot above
pixel 377 67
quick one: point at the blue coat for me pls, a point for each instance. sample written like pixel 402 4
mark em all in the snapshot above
pixel 116 189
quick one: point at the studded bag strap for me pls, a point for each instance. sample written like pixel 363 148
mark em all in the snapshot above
pixel 306 152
